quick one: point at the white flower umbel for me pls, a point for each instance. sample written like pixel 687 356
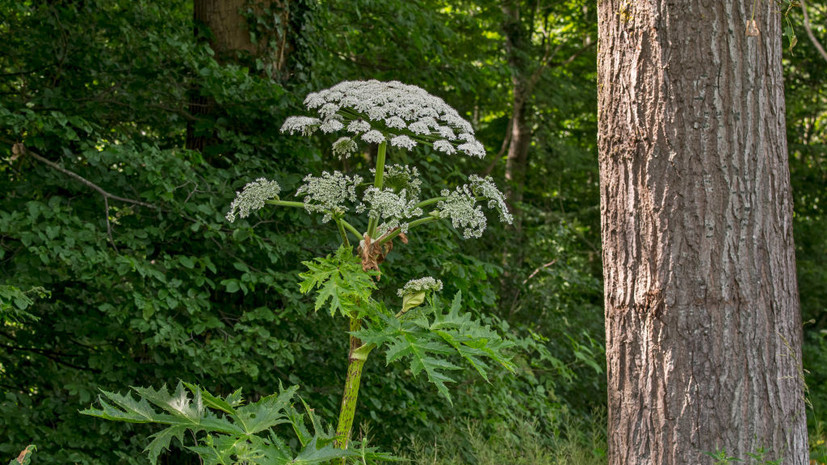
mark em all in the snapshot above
pixel 328 193
pixel 344 146
pixel 461 207
pixel 418 285
pixel 304 125
pixel 485 188
pixel 394 208
pixel 381 111
pixel 252 198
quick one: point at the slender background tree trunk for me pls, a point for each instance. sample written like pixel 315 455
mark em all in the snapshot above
pixel 702 317
pixel 224 25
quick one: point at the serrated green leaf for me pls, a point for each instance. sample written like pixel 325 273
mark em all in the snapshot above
pixel 267 412
pixel 343 285
pixel 160 441
pixel 314 452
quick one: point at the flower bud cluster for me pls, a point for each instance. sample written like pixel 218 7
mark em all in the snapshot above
pixel 418 285
pixel 252 198
pixel 328 193
pixel 375 112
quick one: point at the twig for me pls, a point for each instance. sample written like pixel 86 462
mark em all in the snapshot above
pixel 810 31
pixel 539 268
pixel 21 149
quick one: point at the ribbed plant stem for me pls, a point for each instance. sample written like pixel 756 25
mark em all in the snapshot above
pixel 356 360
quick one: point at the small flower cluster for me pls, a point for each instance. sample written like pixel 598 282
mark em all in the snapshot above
pixel 399 177
pixel 461 207
pixel 328 193
pixel 252 198
pixel 418 285
pixel 391 207
pixel 485 188
pixel 376 112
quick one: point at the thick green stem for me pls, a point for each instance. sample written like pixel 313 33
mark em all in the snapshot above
pixel 342 232
pixel 428 202
pixel 352 230
pixel 413 224
pixel 356 361
pixel 285 203
pixel 378 181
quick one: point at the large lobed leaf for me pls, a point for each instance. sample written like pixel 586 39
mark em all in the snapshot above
pixel 225 430
pixel 428 338
pixel 340 280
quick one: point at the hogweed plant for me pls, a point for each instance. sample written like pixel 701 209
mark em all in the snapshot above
pixel 417 329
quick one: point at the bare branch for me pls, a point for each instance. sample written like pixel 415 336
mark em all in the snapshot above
pixel 20 149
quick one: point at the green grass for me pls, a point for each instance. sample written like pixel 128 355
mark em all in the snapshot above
pixel 561 441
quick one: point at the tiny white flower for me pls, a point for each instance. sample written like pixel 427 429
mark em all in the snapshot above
pixel 391 207
pixel 252 197
pixel 328 109
pixel 404 142
pixel 395 122
pixel 473 149
pixel 419 128
pixel 446 132
pixel 373 137
pixel 301 124
pixel 331 125
pixel 444 146
pixel 313 100
pixel 357 126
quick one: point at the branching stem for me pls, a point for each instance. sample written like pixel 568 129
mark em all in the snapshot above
pixel 378 181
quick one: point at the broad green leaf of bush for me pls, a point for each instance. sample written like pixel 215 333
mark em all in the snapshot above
pixel 428 338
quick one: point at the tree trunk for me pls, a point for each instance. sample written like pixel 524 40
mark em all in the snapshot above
pixel 229 36
pixel 702 317
pixel 517 45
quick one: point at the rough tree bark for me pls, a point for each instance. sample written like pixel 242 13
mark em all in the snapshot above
pixel 229 34
pixel 702 317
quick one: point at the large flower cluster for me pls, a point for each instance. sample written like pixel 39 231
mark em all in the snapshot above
pixel 328 193
pixel 252 198
pixel 375 112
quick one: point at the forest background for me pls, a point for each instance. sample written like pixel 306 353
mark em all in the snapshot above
pixel 117 267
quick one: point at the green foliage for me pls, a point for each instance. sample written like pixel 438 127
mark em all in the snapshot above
pixel 340 279
pixel 426 338
pixel 225 430
pixel 14 302
pixel 758 457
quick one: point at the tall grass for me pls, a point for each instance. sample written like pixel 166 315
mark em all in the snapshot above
pixel 565 440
